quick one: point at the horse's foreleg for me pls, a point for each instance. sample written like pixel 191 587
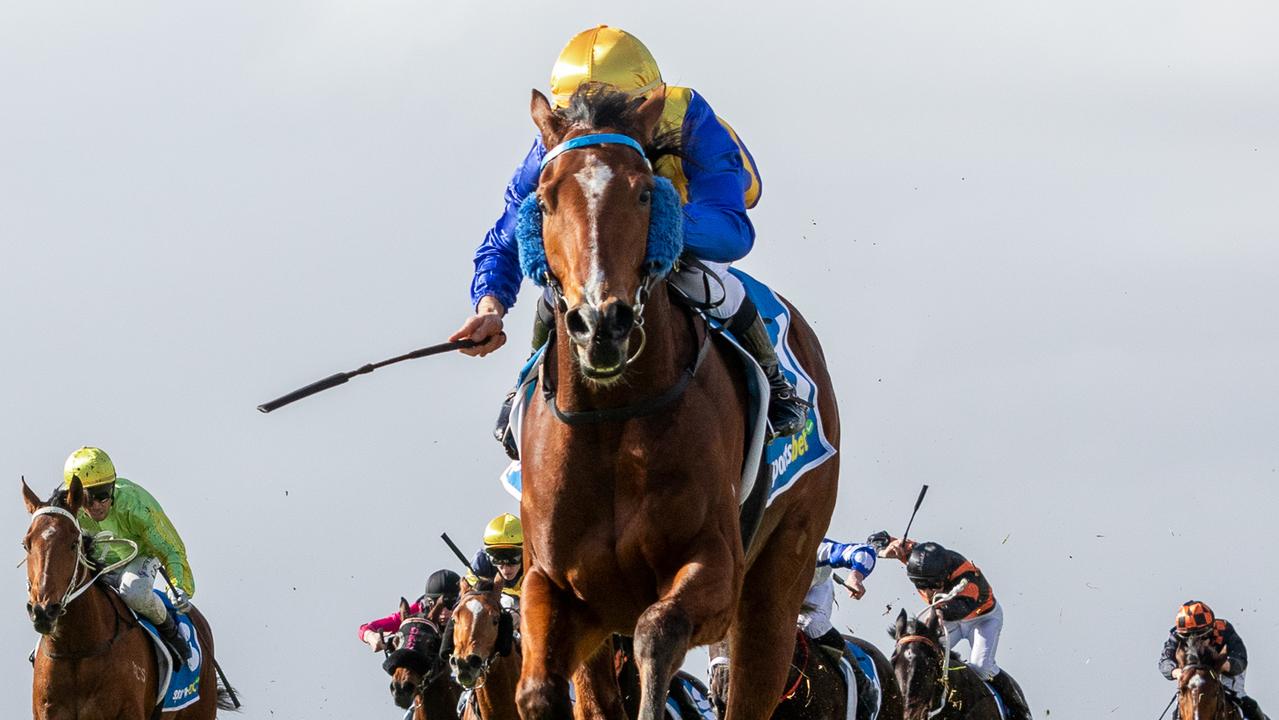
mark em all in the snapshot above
pixel 556 639
pixel 700 601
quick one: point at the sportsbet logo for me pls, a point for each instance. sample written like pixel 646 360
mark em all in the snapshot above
pixel 795 449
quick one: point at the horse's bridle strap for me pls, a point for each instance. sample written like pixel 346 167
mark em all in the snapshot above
pixel 908 639
pixel 589 140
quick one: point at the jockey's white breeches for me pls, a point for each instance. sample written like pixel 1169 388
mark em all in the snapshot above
pixel 136 583
pixel 814 614
pixel 1233 683
pixel 982 634
pixel 721 289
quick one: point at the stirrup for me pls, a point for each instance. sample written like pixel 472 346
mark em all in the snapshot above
pixel 502 430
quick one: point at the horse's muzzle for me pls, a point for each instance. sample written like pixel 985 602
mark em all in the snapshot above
pixel 44 616
pixel 467 670
pixel 601 336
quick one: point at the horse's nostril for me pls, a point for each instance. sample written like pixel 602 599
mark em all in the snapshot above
pixel 580 321
pixel 475 661
pixel 623 318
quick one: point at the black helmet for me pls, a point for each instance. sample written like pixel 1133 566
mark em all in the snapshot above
pixel 445 584
pixel 927 565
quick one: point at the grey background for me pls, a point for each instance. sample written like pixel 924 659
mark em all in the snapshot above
pixel 1038 241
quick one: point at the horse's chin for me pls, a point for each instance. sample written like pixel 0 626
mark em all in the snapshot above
pixel 43 627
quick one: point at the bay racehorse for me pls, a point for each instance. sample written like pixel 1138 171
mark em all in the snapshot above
pixel 486 657
pixel 633 451
pixel 1200 693
pixel 94 660
pixel 815 687
pixel 937 685
pixel 419 675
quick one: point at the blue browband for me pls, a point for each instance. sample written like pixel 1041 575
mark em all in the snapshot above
pixel 597 139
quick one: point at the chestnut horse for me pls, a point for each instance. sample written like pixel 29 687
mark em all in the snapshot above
pixel 937 684
pixel 815 687
pixel 419 676
pixel 633 451
pixel 94 660
pixel 486 658
pixel 1200 694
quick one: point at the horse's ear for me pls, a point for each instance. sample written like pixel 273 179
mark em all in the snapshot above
pixel 75 496
pixel 499 583
pixel 649 114
pixel 29 497
pixel 544 118
pixel 932 621
pixel 404 608
pixel 899 627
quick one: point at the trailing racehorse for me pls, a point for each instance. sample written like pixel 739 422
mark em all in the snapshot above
pixel 815 688
pixel 486 658
pixel 1200 693
pixel 937 685
pixel 419 676
pixel 634 449
pixel 688 699
pixel 94 659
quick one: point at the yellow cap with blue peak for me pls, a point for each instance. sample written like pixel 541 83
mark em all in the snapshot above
pixel 607 55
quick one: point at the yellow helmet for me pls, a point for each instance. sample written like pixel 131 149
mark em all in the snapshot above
pixel 607 55
pixel 92 465
pixel 505 531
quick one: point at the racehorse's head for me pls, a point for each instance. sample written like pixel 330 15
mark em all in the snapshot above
pixel 54 548
pixel 919 663
pixel 482 632
pixel 608 228
pixel 1199 691
pixel 415 658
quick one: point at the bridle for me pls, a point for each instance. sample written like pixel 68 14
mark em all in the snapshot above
pixel 944 698
pixel 642 294
pixel 481 672
pixel 83 564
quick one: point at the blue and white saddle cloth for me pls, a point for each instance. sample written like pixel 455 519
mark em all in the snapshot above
pixel 787 458
pixel 867 665
pixel 183 687
pixel 694 696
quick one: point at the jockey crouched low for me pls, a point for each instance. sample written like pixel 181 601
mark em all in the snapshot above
pixel 814 614
pixel 717 181
pixel 121 507
pixel 960 595
pixel 1196 619
pixel 436 603
pixel 501 557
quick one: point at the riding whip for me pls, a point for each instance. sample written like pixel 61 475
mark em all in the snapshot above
pixel 230 690
pixel 456 551
pixel 918 501
pixel 1170 702
pixel 342 377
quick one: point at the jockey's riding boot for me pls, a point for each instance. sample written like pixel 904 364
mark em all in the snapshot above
pixel 831 640
pixel 1010 691
pixel 542 320
pixel 787 412
pixel 1251 710
pixel 169 633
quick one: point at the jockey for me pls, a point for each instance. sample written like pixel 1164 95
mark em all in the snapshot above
pixel 814 614
pixel 717 181
pixel 960 595
pixel 128 512
pixel 1196 618
pixel 502 554
pixel 442 589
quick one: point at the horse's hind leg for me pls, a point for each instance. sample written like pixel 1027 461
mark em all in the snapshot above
pixel 699 601
pixel 598 694
pixel 762 639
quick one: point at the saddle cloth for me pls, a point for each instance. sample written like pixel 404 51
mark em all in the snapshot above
pixel 867 665
pixel 183 687
pixel 787 458
pixel 688 699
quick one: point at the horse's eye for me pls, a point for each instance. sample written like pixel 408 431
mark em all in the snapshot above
pixel 645 197
pixel 541 205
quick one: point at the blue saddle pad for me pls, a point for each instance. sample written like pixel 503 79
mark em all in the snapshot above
pixel 787 458
pixel 695 695
pixel 183 688
pixel 999 700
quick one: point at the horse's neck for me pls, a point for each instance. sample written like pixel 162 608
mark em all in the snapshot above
pixel 437 702
pixel 496 697
pixel 668 351
pixel 88 623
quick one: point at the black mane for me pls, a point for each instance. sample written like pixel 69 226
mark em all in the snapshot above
pixel 595 106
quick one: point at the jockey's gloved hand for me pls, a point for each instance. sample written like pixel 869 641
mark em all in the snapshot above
pixel 374 640
pixel 181 601
pixel 879 540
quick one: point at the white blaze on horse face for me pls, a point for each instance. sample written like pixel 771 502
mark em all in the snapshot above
pixel 594 179
pixel 475 606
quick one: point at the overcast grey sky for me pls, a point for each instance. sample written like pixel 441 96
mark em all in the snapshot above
pixel 1038 240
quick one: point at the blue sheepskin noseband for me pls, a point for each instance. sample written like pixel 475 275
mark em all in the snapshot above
pixel 665 234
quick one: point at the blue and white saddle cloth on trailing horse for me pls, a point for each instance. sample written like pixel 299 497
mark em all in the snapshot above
pixel 782 462
pixel 183 686
pixel 866 664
